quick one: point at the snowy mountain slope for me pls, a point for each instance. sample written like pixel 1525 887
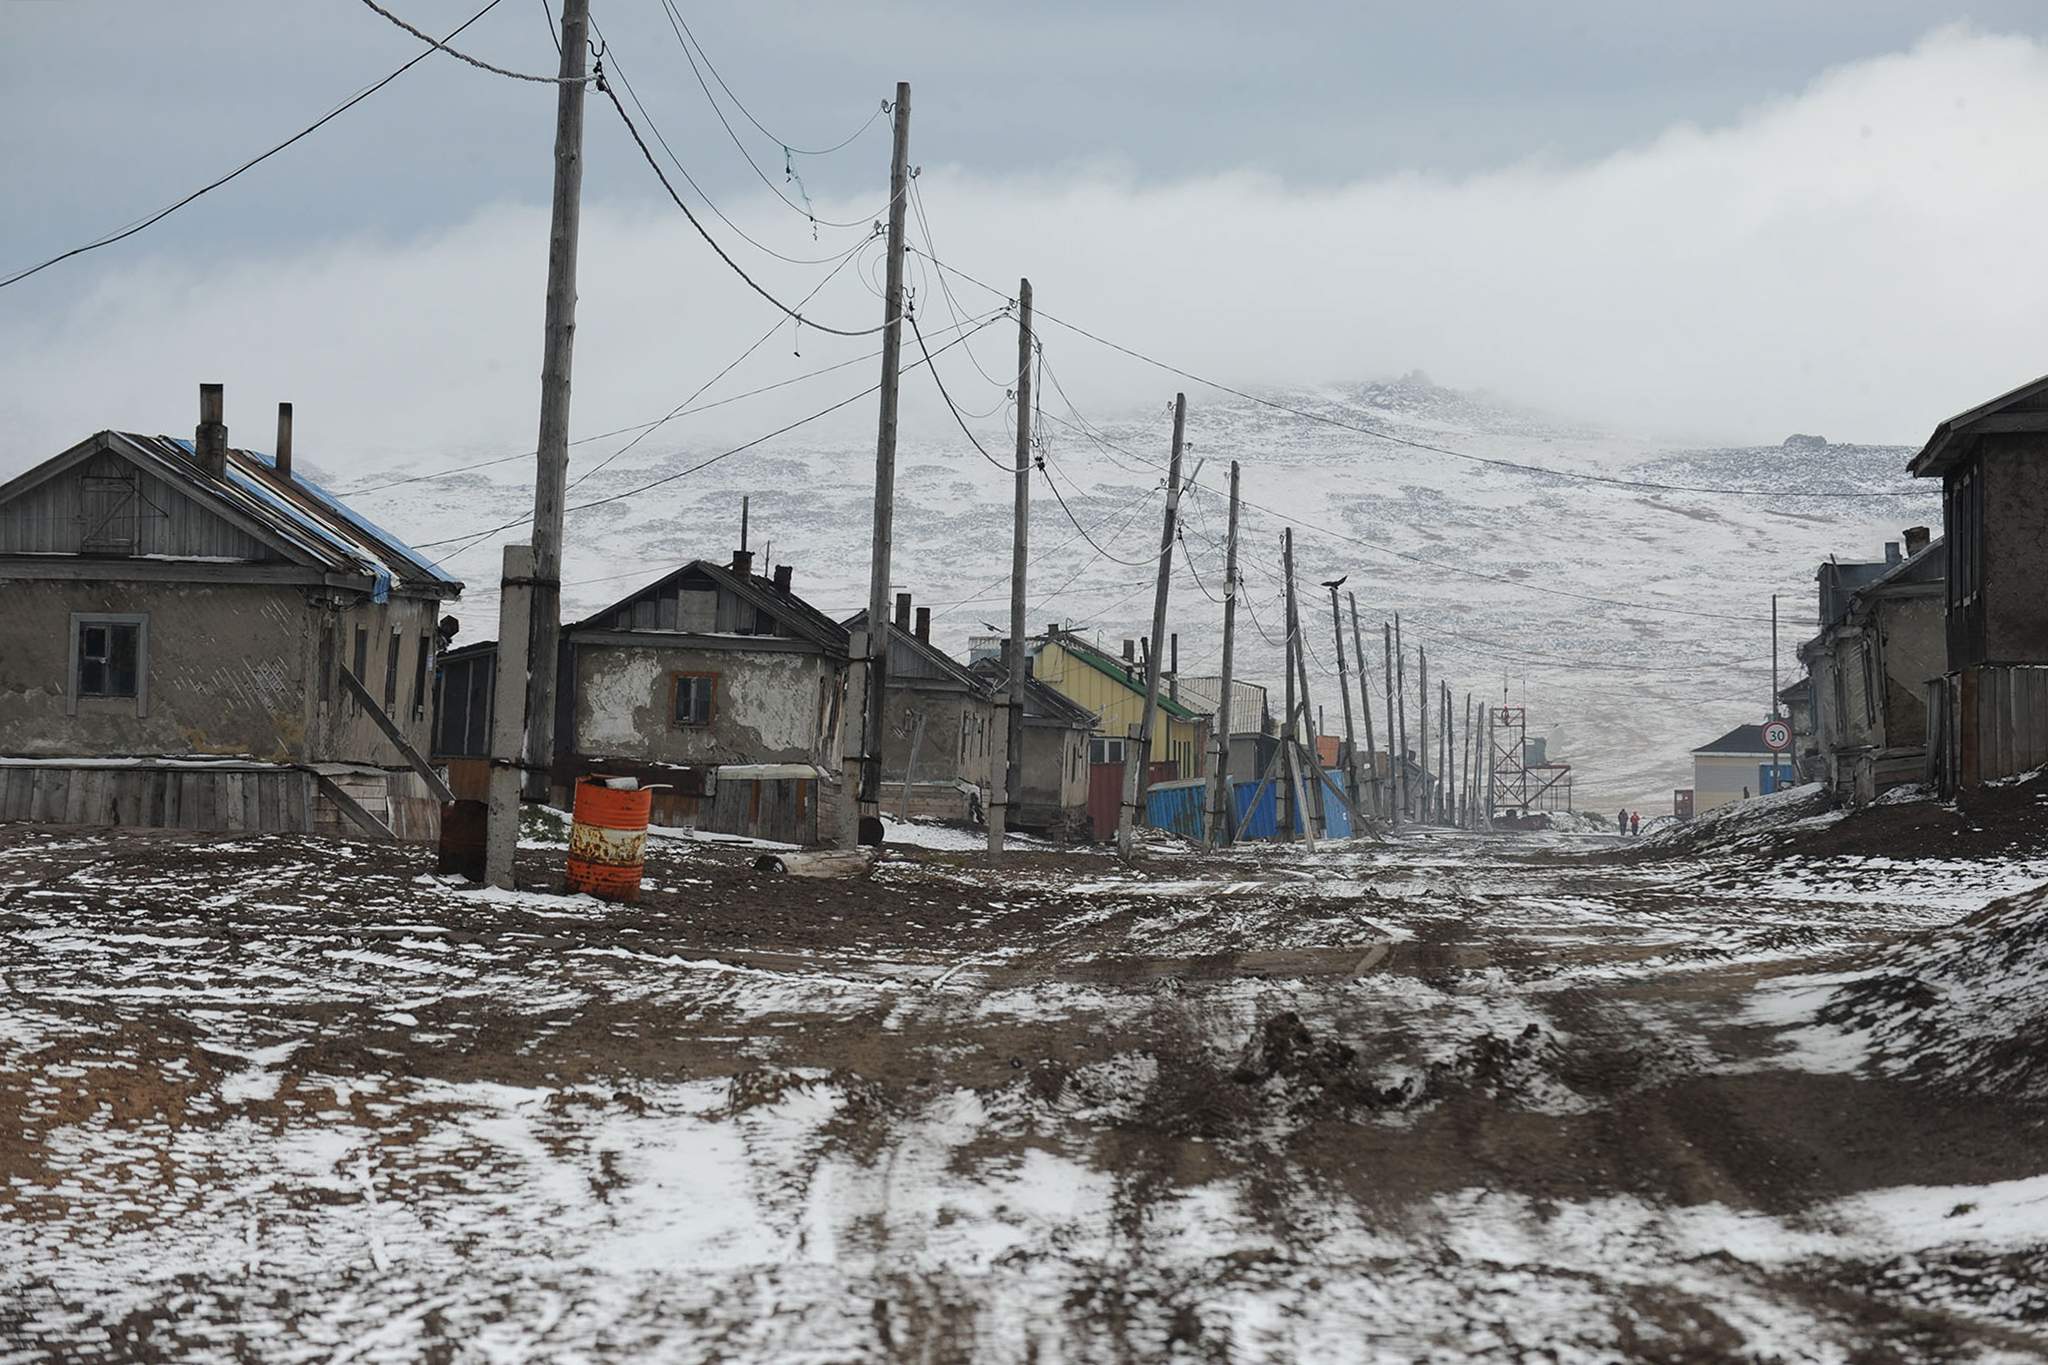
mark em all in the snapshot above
pixel 1499 569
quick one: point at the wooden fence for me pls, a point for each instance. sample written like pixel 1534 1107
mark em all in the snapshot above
pixel 211 797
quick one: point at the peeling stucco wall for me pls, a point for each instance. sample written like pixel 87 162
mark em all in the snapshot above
pixel 770 706
pixel 225 670
pixel 230 668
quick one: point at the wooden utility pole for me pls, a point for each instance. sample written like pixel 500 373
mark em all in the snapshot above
pixel 1465 768
pixel 1365 702
pixel 1407 797
pixel 864 790
pixel 1136 760
pixel 1006 775
pixel 1423 703
pixel 1309 780
pixel 508 725
pixel 551 465
pixel 1344 686
pixel 1447 754
pixel 1290 817
pixel 1221 798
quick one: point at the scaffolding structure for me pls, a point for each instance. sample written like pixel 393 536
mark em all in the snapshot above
pixel 1520 786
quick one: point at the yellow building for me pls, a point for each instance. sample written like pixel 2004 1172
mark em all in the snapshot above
pixel 1114 691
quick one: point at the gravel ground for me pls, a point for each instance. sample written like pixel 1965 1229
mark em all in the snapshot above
pixel 1444 1098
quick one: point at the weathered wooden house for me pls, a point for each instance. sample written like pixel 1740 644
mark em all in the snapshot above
pixel 722 687
pixel 174 619
pixel 1880 645
pixel 1054 770
pixel 938 724
pixel 1989 708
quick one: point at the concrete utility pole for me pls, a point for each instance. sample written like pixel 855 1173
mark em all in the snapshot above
pixel 1365 701
pixel 864 789
pixel 551 472
pixel 1344 686
pixel 1135 761
pixel 1406 797
pixel 1006 775
pixel 508 694
pixel 1220 796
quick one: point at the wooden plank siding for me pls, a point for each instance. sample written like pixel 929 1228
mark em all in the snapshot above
pixel 227 800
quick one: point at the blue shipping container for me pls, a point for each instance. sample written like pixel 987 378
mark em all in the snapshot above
pixel 1262 823
pixel 1177 807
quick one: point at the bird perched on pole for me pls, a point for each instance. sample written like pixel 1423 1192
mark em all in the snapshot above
pixel 1336 583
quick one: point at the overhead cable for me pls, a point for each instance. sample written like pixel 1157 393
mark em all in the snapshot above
pixel 258 160
pixel 441 44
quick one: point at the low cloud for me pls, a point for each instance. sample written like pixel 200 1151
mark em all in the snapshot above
pixel 1859 259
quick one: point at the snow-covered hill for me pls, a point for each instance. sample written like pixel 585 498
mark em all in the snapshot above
pixel 1634 622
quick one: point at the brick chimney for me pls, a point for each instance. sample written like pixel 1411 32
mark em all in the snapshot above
pixel 210 440
pixel 1916 540
pixel 1130 651
pixel 1891 552
pixel 743 563
pixel 284 440
pixel 903 612
pixel 784 574
pixel 924 624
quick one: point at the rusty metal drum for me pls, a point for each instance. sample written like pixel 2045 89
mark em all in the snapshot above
pixel 607 839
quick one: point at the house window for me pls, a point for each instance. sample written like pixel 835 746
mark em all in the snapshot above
pixel 693 697
pixel 1965 518
pixel 1103 750
pixel 419 676
pixel 109 656
pixel 391 673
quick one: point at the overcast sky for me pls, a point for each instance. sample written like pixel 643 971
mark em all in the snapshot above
pixel 1721 225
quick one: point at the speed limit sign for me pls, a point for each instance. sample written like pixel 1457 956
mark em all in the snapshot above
pixel 1778 736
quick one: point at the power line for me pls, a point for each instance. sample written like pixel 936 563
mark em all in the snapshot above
pixel 676 22
pixel 164 213
pixel 1384 435
pixel 475 538
pixel 442 45
pixel 452 470
pixel 778 141
pixel 918 332
pixel 1439 565
pixel 691 180
pixel 713 242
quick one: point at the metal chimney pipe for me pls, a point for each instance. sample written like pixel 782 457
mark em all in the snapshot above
pixel 284 440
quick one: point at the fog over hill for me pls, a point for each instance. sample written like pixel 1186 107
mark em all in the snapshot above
pixel 1633 621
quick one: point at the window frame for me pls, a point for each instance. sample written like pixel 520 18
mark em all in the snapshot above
pixel 676 680
pixel 82 619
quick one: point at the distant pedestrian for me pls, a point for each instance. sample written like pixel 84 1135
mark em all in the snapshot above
pixel 1621 822
pixel 1745 793
pixel 1635 823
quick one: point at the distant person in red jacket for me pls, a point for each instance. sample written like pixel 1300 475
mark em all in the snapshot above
pixel 1635 823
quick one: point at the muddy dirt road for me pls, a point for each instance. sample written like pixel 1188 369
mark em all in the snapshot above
pixel 1450 1098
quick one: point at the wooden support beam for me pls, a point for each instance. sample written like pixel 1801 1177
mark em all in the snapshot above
pixel 426 770
pixel 350 807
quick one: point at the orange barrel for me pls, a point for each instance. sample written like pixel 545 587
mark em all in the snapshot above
pixel 607 836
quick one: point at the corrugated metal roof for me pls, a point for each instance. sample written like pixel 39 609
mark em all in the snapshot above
pixel 300 513
pixel 1104 664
